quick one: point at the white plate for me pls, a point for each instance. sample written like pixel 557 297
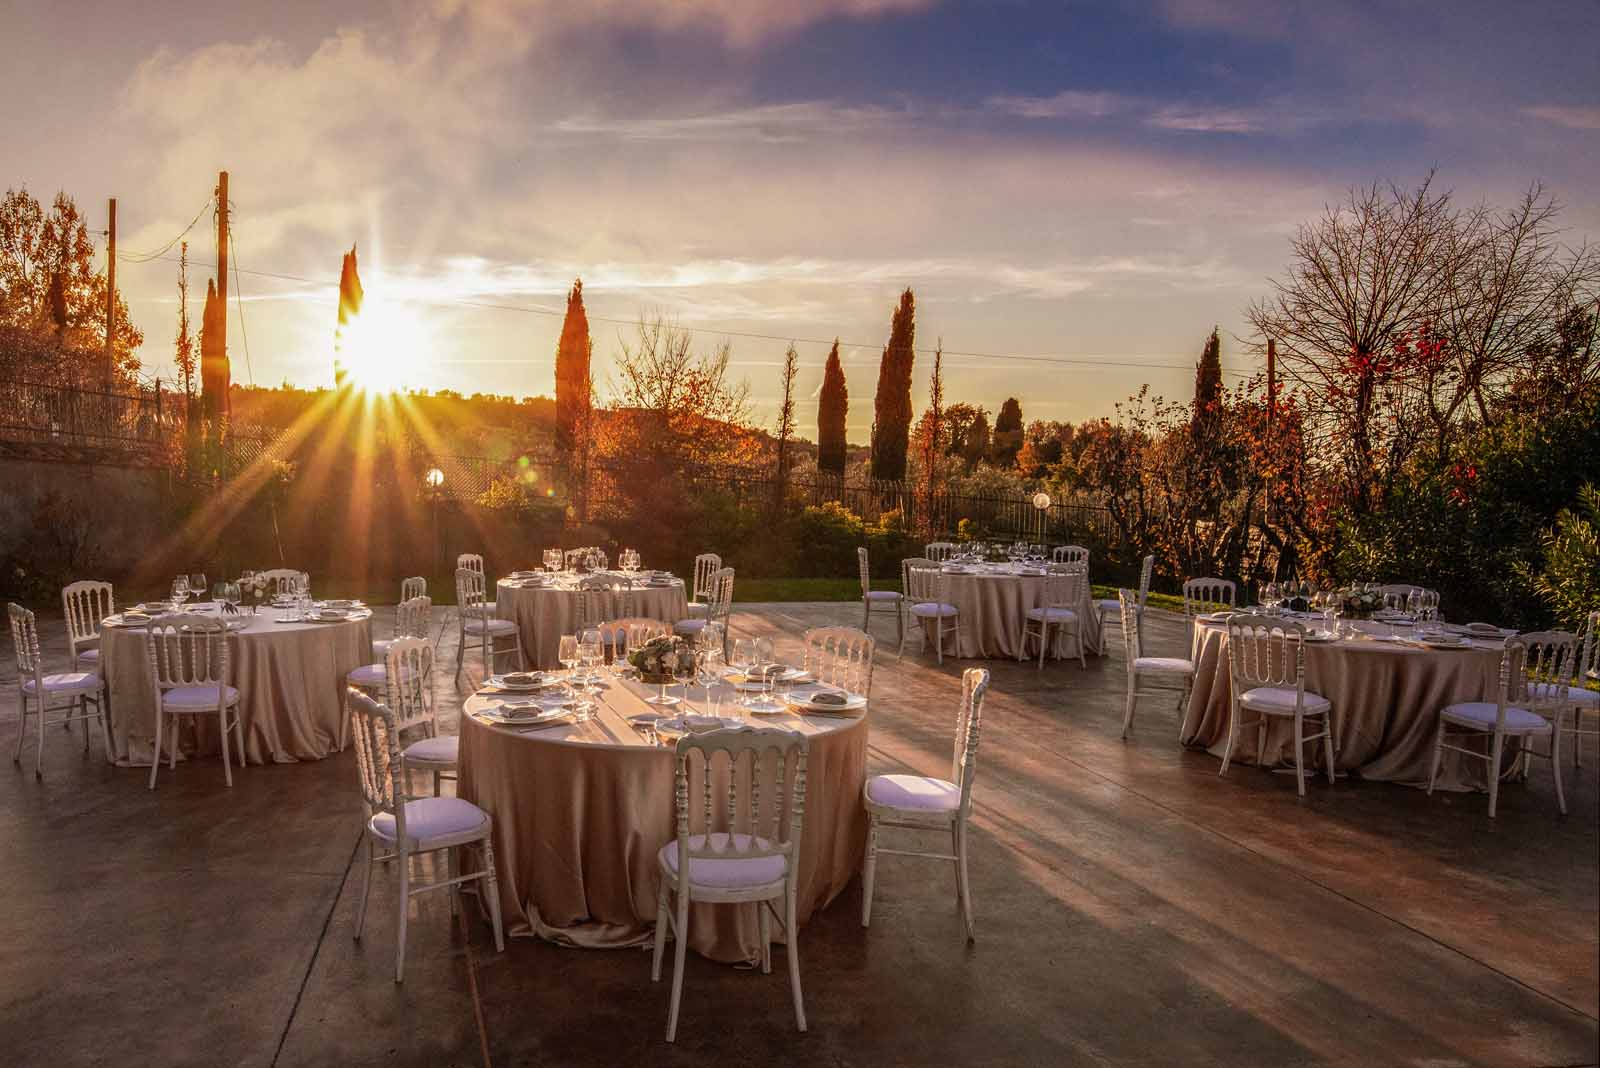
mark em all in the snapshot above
pixel 1444 643
pixel 1319 636
pixel 802 702
pixel 694 724
pixel 539 683
pixel 526 714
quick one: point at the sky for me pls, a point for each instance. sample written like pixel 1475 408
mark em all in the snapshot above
pixel 1091 185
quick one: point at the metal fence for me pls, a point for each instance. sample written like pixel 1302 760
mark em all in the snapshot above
pixel 68 422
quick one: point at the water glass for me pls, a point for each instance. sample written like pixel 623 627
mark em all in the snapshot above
pixel 180 591
pixel 197 584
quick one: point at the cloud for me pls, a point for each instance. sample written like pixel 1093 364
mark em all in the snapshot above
pixel 775 123
pixel 1581 117
pixel 1069 104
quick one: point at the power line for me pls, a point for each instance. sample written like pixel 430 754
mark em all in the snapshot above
pixel 238 300
pixel 161 253
pixel 534 309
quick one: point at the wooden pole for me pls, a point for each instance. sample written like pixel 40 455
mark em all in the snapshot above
pixel 222 276
pixel 111 296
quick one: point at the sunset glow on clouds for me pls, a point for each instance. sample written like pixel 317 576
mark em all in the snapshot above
pixel 1079 180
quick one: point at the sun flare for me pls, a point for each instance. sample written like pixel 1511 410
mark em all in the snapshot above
pixel 385 348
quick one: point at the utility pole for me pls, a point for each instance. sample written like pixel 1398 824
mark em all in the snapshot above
pixel 1272 414
pixel 223 402
pixel 111 297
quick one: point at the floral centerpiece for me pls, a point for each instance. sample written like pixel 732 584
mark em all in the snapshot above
pixel 254 586
pixel 662 659
pixel 1359 604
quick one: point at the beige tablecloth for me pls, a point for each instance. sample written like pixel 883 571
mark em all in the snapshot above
pixel 544 614
pixel 581 811
pixel 994 609
pixel 1386 700
pixel 290 678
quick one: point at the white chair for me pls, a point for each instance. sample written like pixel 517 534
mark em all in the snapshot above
pixel 404 827
pixel 281 580
pixel 1071 555
pixel 1580 700
pixel 412 618
pixel 1267 674
pixel 573 557
pixel 1106 607
pixel 719 607
pixel 1528 661
pixel 753 860
pixel 85 604
pixel 938 550
pixel 1202 596
pixel 189 662
pixel 928 595
pixel 485 630
pixel 489 606
pixel 1397 594
pixel 1059 596
pixel 594 597
pixel 39 694
pixel 408 677
pixel 705 565
pixel 879 601
pixel 413 587
pixel 921 803
pixel 619 635
pixel 842 657
pixel 1158 668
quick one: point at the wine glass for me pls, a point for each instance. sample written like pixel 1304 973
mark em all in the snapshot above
pixel 711 662
pixel 768 666
pixel 197 584
pixel 591 651
pixel 180 591
pixel 619 650
pixel 567 655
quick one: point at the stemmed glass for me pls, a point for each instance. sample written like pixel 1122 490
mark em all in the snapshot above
pixel 769 673
pixel 197 584
pixel 180 592
pixel 744 657
pixel 590 653
pixel 711 662
pixel 567 654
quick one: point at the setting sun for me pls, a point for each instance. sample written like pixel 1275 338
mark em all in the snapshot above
pixel 385 347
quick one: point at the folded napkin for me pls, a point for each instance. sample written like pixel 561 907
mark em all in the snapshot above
pixel 829 697
pixel 766 671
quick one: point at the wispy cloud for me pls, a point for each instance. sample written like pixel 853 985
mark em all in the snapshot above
pixel 1069 104
pixel 1075 104
pixel 773 123
pixel 1580 117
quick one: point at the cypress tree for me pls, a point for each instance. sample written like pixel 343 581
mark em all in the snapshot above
pixel 1207 391
pixel 891 421
pixel 572 372
pixel 1007 441
pixel 832 408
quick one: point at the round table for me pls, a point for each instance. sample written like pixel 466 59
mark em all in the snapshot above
pixel 581 810
pixel 290 678
pixel 544 612
pixel 1386 699
pixel 994 603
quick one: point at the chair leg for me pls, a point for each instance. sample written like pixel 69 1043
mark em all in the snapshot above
pixel 679 946
pixel 38 758
pixel 452 861
pixel 869 870
pixel 938 640
pixel 83 712
pixel 1496 752
pixel 1044 641
pixel 1133 697
pixel 764 927
pixel 866 613
pixel 404 883
pixel 791 928
pixel 1555 765
pixel 1300 754
pixel 222 729
pixel 1077 636
pixel 961 875
pixel 663 921
pixel 900 621
pixel 22 727
pixel 493 889
pixel 155 759
pixel 238 734
pixel 366 888
pixel 1233 736
pixel 1438 757
pixel 461 653
pixel 1327 744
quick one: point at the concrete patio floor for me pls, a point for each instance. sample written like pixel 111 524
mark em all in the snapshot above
pixel 1133 908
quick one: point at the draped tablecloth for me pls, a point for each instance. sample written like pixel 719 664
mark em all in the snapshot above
pixel 581 810
pixel 290 678
pixel 994 605
pixel 1386 699
pixel 544 613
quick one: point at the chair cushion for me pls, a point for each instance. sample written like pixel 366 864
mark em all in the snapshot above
pixel 1279 700
pixel 729 874
pixel 1171 665
pixel 916 792
pixel 930 610
pixel 368 675
pixel 1108 604
pixel 697 610
pixel 439 750
pixel 1544 691
pixel 1480 715
pixel 67 682
pixel 380 647
pixel 1053 615
pixel 495 627
pixel 197 698
pixel 432 817
pixel 882 595
pixel 689 626
pixel 88 654
pixel 485 610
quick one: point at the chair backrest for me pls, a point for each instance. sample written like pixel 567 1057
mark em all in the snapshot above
pixel 842 657
pixel 1589 667
pixel 1062 589
pixel 415 586
pixel 1404 589
pixel 705 565
pixel 1070 554
pixel 592 603
pixel 1202 595
pixel 470 561
pixel 1550 660
pixel 1265 651
pixel 572 557
pixel 280 580
pixel 25 637
pixel 412 617
pixel 922 580
pixel 377 745
pixel 85 604
pixel 719 604
pixel 1512 689
pixel 1128 613
pixel 187 650
pixel 408 673
pixel 753 800
pixel 969 718
pixel 863 565
pixel 938 550
pixel 634 631
pixel 1146 569
pixel 469 588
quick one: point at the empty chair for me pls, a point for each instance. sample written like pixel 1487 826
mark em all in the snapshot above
pixel 485 630
pixel 752 860
pixel 842 657
pixel 1071 555
pixel 1177 674
pixel 719 607
pixel 281 580
pixel 938 550
pixel 596 596
pixel 189 672
pixel 1060 594
pixel 1267 673
pixel 401 828
pixel 922 803
pixel 85 604
pixel 928 598
pixel 412 618
pixel 414 586
pixel 1585 702
pixel 1533 660
pixel 620 635
pixel 879 601
pixel 488 606
pixel 1108 607
pixel 1202 596
pixel 39 694
pixel 705 565
pixel 408 682
pixel 587 554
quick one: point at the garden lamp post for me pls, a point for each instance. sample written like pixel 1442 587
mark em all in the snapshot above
pixel 1041 503
pixel 434 480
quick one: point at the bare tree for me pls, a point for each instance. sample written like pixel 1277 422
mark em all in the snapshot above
pixel 185 355
pixel 791 365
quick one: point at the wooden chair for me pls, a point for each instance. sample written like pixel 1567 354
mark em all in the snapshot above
pixel 1057 606
pixel 39 694
pixel 1161 668
pixel 879 601
pixel 719 607
pixel 922 803
pixel 1070 554
pixel 705 565
pixel 1107 607
pixel 84 604
pixel 413 587
pixel 752 860
pixel 938 550
pixel 1267 674
pixel 281 580
pixel 189 665
pixel 842 657
pixel 485 629
pixel 1202 596
pixel 928 599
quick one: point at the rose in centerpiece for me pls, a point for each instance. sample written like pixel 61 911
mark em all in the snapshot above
pixel 662 659
pixel 1359 604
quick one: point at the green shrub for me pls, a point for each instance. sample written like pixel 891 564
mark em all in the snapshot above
pixel 1569 581
pixel 826 537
